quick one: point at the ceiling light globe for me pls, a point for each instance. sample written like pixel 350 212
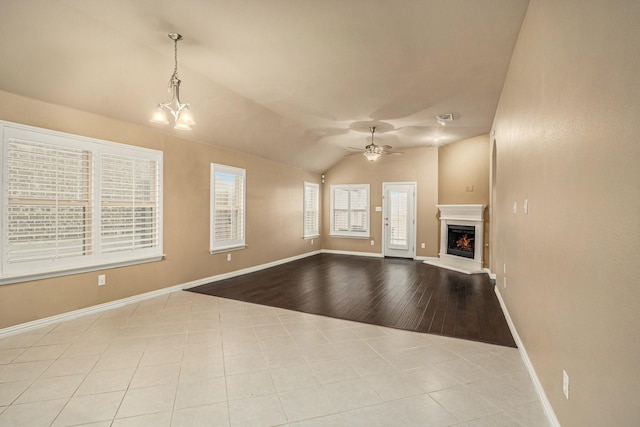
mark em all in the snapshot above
pixel 159 116
pixel 185 117
pixel 371 156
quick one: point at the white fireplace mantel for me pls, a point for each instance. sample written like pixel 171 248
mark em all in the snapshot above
pixel 462 212
pixel 469 215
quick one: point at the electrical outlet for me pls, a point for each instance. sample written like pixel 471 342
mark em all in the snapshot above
pixel 372 243
pixel 565 384
pixel 423 245
pixel 228 257
pixel 312 241
pixel 504 282
pixel 504 268
pixel 525 206
pixel 515 206
pixel 102 279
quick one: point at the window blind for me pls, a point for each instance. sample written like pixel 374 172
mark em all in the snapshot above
pixel 72 203
pixel 311 209
pixel 228 207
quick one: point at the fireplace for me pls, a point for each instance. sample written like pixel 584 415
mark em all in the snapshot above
pixel 461 240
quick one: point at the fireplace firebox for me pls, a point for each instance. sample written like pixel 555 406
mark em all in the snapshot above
pixel 461 240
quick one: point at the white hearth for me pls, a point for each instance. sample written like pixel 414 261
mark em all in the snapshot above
pixel 461 215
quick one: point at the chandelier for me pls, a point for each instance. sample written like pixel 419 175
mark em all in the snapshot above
pixel 179 111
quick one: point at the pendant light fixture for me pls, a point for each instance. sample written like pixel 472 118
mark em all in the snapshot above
pixel 179 111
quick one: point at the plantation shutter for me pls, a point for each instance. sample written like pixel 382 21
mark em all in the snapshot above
pixel 398 220
pixel 129 201
pixel 71 204
pixel 228 207
pixel 341 209
pixel 350 210
pixel 49 202
pixel 359 210
pixel 311 209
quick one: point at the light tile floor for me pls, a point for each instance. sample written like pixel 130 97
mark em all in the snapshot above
pixel 186 359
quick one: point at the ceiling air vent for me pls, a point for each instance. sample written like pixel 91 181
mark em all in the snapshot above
pixel 445 117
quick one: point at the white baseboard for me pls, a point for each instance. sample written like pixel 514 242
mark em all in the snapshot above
pixel 35 324
pixel 492 276
pixel 247 270
pixel 369 254
pixel 546 405
pixel 424 258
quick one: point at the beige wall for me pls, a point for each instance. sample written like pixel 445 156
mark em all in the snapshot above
pixel 568 140
pixel 418 165
pixel 274 216
pixel 464 164
pixel 463 178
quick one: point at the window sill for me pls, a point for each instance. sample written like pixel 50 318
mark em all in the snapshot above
pixel 229 249
pixel 313 236
pixel 77 270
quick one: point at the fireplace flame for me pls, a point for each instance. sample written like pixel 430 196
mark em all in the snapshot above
pixel 464 243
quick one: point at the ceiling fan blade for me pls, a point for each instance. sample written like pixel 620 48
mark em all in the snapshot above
pixel 394 153
pixel 355 149
pixel 386 147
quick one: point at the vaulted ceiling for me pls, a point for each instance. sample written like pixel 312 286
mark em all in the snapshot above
pixel 294 81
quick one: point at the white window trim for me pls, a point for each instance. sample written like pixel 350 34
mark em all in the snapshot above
pixel 216 247
pixel 97 260
pixel 351 234
pixel 316 233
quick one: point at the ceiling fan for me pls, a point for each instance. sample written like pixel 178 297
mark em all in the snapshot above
pixel 373 151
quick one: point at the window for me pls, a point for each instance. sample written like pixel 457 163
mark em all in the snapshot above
pixel 311 209
pixel 227 207
pixel 128 203
pixel 76 204
pixel 350 210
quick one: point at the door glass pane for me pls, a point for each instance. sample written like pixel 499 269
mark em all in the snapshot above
pixel 398 237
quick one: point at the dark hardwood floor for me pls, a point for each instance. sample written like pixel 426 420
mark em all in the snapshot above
pixel 391 292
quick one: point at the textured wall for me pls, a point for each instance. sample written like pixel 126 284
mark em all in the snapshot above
pixel 274 216
pixel 567 140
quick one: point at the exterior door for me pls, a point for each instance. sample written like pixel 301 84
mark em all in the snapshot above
pixel 399 225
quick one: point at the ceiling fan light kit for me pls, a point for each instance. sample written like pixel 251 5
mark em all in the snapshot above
pixel 372 151
pixel 180 112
